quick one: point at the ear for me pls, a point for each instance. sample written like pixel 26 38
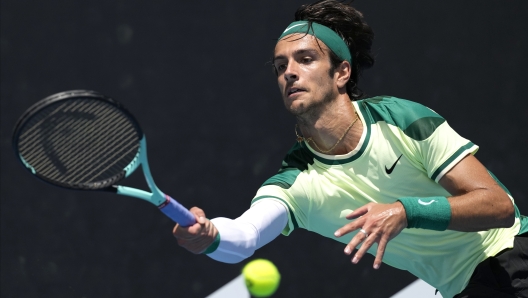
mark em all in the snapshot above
pixel 343 73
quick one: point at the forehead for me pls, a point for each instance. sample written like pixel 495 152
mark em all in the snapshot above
pixel 296 42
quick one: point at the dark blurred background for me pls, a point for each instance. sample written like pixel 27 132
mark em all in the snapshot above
pixel 196 74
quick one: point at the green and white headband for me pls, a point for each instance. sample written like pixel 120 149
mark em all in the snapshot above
pixel 328 36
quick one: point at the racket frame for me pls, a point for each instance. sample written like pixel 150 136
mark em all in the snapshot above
pixel 165 203
pixel 157 197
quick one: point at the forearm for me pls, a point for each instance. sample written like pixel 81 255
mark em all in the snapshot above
pixel 239 238
pixel 475 211
pixel 477 202
pixel 481 209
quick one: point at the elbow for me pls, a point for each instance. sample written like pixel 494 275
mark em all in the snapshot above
pixel 507 222
pixel 501 209
pixel 510 219
pixel 507 214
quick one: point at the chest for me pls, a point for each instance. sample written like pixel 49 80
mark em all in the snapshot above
pixel 386 170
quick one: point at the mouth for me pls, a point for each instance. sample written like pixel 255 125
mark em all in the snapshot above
pixel 294 91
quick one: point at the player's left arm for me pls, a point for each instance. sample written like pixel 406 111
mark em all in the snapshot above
pixel 477 202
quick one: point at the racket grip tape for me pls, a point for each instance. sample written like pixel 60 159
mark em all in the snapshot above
pixel 177 212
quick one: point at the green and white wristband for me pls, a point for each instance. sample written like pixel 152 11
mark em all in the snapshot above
pixel 213 245
pixel 431 213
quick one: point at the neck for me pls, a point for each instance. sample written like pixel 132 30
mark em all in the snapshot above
pixel 333 131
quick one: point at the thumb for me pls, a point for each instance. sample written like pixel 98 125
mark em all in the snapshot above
pixel 199 214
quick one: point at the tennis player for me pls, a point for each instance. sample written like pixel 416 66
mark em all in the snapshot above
pixel 382 175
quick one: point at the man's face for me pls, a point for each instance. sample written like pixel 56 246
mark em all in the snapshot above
pixel 303 74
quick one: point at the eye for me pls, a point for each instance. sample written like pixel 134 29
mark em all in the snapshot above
pixel 306 60
pixel 280 66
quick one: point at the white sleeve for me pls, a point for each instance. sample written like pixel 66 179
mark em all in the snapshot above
pixel 239 238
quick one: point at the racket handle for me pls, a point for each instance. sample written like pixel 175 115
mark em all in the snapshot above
pixel 177 212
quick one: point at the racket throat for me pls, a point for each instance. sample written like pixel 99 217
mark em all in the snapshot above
pixel 164 204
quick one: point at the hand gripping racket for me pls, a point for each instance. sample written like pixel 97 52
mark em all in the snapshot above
pixel 86 141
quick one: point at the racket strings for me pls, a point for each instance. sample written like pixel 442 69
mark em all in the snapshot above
pixel 82 146
pixel 109 166
pixel 39 128
pixel 79 142
pixel 53 135
pixel 88 154
pixel 36 123
pixel 75 144
pixel 110 159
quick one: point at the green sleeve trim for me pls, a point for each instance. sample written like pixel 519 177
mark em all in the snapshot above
pixel 214 245
pixel 431 213
pixel 292 215
pixel 284 179
pixel 457 154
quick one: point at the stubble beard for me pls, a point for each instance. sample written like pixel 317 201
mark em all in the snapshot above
pixel 307 114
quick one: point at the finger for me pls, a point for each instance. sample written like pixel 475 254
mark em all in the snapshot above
pixel 175 229
pixel 358 212
pixel 198 245
pixel 195 247
pixel 354 242
pixel 199 214
pixel 367 243
pixel 350 227
pixel 187 232
pixel 381 251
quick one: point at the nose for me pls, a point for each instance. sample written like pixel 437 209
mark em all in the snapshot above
pixel 291 74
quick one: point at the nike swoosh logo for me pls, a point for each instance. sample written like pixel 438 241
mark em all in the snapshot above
pixel 425 203
pixel 292 27
pixel 388 171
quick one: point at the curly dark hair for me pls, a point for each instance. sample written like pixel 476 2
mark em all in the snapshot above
pixel 348 23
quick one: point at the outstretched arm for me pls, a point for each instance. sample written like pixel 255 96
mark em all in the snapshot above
pixel 477 203
pixel 234 240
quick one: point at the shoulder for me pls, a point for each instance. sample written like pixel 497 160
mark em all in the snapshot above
pixel 413 119
pixel 296 161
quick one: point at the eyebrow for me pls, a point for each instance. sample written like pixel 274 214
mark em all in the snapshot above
pixel 298 52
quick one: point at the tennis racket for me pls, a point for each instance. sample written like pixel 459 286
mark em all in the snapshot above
pixel 84 140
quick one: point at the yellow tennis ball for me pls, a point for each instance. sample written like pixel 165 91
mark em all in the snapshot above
pixel 262 277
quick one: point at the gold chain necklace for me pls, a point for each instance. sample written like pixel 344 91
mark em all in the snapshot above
pixel 300 138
